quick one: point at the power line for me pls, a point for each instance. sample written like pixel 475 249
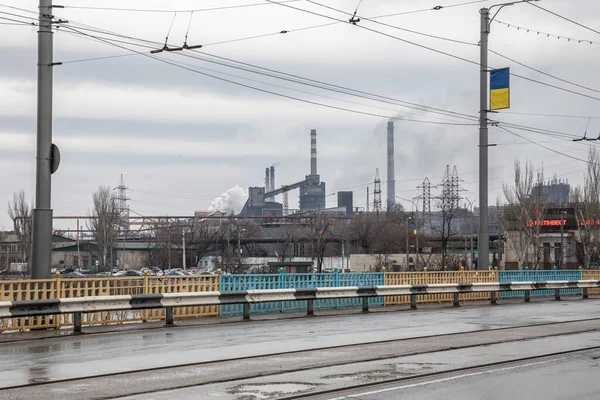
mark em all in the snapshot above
pixel 320 84
pixel 18 15
pixel 542 72
pixel 565 18
pixel 545 147
pixel 436 8
pixel 151 10
pixel 392 26
pixel 569 39
pixel 349 92
pixel 19 9
pixel 17 22
pixel 436 50
pixel 548 115
pixel 268 91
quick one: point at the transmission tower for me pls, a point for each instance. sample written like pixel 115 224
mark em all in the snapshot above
pixel 426 187
pixel 377 193
pixel 367 199
pixel 446 195
pixel 455 193
pixel 122 208
pixel 450 190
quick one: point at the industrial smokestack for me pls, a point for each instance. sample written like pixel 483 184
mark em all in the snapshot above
pixel 313 152
pixel 272 180
pixel 391 175
pixel 267 181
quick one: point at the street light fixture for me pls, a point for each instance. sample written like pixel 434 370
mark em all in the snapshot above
pixel 483 243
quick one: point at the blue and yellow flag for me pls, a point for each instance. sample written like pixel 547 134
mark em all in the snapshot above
pixel 500 89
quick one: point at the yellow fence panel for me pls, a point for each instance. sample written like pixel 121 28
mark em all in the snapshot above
pixel 591 275
pixel 38 289
pixel 437 277
pixel 80 287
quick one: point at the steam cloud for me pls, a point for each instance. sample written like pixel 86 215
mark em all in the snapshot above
pixel 231 201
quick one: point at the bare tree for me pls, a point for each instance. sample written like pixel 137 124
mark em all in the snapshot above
pixel 587 210
pixel 285 247
pixel 450 211
pixel 363 229
pixel 21 214
pixel 389 237
pixel 203 234
pixel 103 224
pixel 320 234
pixel 521 217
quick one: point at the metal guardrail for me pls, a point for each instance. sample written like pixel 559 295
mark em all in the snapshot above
pixel 170 301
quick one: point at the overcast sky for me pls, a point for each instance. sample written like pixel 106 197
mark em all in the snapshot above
pixel 182 139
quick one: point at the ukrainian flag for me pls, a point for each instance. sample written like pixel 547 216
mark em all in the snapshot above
pixel 499 89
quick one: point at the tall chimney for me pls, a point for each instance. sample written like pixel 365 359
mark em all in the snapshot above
pixel 391 175
pixel 272 185
pixel 267 181
pixel 313 152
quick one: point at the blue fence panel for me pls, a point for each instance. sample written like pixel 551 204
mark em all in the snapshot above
pixel 297 281
pixel 539 276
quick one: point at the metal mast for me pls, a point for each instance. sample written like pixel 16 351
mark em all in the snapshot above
pixel 41 257
pixel 122 208
pixel 377 193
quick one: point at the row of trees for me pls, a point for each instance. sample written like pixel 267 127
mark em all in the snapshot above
pixel 311 235
pixel 526 207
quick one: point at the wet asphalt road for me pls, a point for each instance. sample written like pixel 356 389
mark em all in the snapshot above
pixel 573 377
pixel 69 357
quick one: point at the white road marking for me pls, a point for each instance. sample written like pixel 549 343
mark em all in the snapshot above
pixel 451 378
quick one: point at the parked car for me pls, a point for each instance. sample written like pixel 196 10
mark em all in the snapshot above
pixel 128 272
pixel 73 274
pixel 175 272
pixel 132 272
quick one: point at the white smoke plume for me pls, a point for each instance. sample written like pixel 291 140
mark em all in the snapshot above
pixel 231 201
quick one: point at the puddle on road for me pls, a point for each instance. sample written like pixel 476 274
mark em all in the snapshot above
pixel 269 390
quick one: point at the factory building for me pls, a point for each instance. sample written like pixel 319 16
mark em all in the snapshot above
pixel 261 200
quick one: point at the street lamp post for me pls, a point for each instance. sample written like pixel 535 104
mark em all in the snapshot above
pixel 416 208
pixel 483 241
pixel 471 205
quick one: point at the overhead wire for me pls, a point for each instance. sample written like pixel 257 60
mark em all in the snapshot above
pixel 391 26
pixel 17 22
pixel 269 91
pixel 568 38
pixel 564 18
pixel 548 115
pixel 544 73
pixel 543 146
pixel 436 50
pixel 154 10
pixel 331 87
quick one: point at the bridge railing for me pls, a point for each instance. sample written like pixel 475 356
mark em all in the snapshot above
pixel 539 275
pixel 60 287
pixel 427 277
pixel 170 302
pixel 47 289
pixel 282 280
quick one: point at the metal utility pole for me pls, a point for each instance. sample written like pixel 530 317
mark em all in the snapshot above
pixel 562 241
pixel 407 246
pixel 41 257
pixel 483 240
pixel 471 204
pixel 183 246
